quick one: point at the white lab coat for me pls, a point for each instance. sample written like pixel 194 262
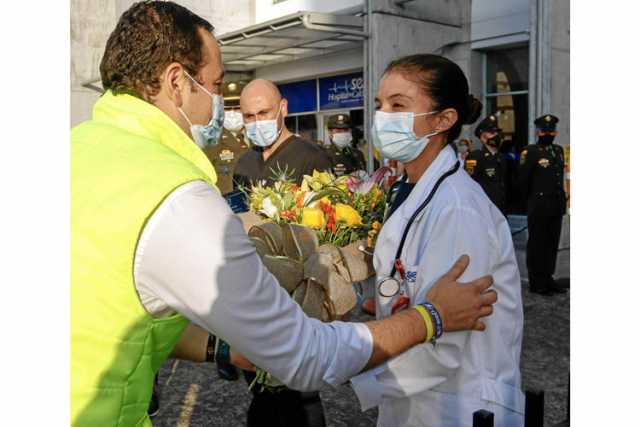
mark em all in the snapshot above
pixel 466 371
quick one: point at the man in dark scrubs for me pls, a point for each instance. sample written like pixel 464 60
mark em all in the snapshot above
pixel 275 150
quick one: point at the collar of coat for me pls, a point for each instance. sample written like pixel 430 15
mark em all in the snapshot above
pixel 140 118
pixel 445 160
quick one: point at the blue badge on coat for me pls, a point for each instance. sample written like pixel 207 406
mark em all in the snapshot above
pixel 411 276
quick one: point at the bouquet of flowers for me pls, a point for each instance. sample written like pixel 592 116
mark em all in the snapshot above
pixel 312 239
pixel 342 210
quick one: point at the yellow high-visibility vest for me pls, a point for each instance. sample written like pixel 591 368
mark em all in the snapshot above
pixel 124 162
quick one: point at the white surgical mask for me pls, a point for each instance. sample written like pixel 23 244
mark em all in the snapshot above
pixel 208 134
pixel 342 139
pixel 233 120
pixel 263 133
pixel 393 136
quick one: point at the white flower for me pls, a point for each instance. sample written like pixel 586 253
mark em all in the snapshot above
pixel 268 208
pixel 308 197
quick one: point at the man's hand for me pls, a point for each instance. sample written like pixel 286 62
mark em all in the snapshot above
pixel 461 305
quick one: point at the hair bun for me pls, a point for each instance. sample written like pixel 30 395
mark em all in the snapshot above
pixel 474 109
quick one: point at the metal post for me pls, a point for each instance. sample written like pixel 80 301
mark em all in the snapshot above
pixel 482 418
pixel 368 86
pixel 534 408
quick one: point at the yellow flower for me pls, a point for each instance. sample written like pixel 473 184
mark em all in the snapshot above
pixel 376 225
pixel 318 203
pixel 312 218
pixel 324 178
pixel 345 213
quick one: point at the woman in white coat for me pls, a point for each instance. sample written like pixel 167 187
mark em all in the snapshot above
pixel 422 103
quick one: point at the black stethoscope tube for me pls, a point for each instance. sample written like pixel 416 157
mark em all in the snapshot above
pixel 420 209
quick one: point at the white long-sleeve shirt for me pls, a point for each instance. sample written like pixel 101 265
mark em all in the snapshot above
pixel 466 371
pixel 194 257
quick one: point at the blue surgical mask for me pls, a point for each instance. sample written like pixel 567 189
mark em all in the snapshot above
pixel 263 133
pixel 393 136
pixel 209 134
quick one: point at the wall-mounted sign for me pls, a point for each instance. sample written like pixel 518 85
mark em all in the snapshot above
pixel 345 91
pixel 302 96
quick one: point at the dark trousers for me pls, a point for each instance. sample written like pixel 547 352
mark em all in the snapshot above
pixel 285 408
pixel 542 248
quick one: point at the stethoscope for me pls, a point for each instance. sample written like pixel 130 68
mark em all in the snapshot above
pixel 389 286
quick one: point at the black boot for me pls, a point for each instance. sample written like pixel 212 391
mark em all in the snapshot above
pixel 556 288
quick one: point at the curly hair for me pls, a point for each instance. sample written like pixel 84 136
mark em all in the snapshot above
pixel 149 36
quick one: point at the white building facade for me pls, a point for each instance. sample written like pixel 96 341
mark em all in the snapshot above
pixel 514 52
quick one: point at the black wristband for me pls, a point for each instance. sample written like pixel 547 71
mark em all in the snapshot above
pixel 211 349
pixel 223 352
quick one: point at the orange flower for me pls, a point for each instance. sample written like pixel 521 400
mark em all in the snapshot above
pixel 300 200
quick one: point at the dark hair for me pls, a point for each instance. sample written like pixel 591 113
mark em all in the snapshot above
pixel 149 36
pixel 445 83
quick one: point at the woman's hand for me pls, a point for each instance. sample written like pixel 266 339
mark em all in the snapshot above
pixel 461 305
pixel 241 362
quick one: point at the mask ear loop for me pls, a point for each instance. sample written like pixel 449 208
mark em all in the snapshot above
pixel 212 95
pixel 185 116
pixel 429 135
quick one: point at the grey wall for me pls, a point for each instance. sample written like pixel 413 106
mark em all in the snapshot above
pixel 435 26
pixel 91 24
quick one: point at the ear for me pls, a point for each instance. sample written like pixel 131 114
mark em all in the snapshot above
pixel 285 108
pixel 174 82
pixel 448 118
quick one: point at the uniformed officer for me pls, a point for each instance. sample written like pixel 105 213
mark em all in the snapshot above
pixel 487 165
pixel 345 159
pixel 541 178
pixel 233 144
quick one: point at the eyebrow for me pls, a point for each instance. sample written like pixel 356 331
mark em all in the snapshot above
pixel 400 95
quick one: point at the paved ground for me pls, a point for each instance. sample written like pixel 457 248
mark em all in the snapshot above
pixel 192 394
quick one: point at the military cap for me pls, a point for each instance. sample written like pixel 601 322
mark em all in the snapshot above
pixel 488 124
pixel 546 123
pixel 339 121
pixel 231 93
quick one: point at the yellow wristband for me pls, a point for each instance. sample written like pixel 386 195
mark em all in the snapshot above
pixel 428 321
